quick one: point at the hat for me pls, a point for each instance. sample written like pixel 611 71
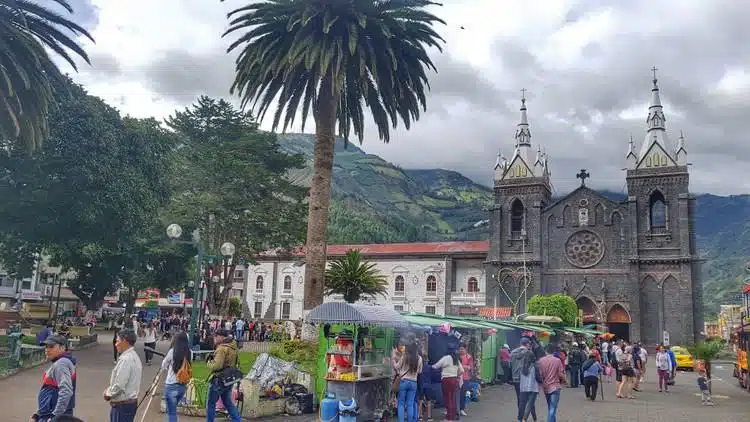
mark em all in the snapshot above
pixel 56 340
pixel 525 341
pixel 505 346
pixel 575 344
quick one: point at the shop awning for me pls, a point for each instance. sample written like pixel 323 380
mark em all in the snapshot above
pixel 491 324
pixel 434 321
pixel 583 331
pixel 356 313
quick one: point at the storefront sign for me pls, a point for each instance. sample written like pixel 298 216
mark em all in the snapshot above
pixel 31 295
pixel 174 298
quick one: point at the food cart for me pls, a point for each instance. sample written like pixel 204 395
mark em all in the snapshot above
pixel 356 341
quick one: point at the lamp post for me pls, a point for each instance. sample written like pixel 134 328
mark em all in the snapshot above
pixel 174 231
pixel 227 251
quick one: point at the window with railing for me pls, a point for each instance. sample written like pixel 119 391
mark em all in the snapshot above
pixel 239 274
pixel 399 286
pixel 287 284
pixel 429 310
pixel 473 285
pixel 398 308
pixel 286 310
pixel 258 310
pixel 431 287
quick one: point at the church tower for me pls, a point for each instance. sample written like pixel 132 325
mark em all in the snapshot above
pixel 664 257
pixel 522 191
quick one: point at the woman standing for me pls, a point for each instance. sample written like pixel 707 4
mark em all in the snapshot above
pixel 450 379
pixel 663 368
pixel 174 391
pixel 625 365
pixel 408 368
pixel 149 340
pixel 529 386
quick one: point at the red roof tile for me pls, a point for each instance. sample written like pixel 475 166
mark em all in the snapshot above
pixel 501 312
pixel 478 247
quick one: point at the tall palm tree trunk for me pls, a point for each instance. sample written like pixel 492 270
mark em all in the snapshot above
pixel 320 194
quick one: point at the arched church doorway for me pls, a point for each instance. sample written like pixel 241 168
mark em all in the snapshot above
pixel 618 322
pixel 589 309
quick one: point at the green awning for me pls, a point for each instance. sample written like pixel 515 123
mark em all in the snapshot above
pixel 492 324
pixel 583 331
pixel 434 321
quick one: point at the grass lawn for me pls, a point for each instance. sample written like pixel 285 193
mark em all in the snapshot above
pixel 30 340
pixel 247 359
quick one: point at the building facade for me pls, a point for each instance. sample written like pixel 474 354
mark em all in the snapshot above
pixel 632 266
pixel 437 278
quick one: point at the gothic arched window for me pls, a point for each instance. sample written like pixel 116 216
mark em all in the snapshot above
pixel 657 212
pixel 473 285
pixel 517 212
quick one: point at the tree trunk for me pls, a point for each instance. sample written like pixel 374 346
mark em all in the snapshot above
pixel 320 193
pixel 224 296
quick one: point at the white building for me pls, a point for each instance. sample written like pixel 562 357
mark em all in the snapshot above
pixel 440 278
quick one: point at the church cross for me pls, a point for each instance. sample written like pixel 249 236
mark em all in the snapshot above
pixel 654 69
pixel 523 93
pixel 583 175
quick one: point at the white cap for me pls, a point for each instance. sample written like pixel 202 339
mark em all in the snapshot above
pixel 575 344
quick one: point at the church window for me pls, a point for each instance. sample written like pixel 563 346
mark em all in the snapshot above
pixel 287 283
pixel 473 285
pixel 517 217
pixel 399 286
pixel 431 286
pixel 657 212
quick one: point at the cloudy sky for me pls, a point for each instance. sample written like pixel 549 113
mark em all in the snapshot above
pixel 585 64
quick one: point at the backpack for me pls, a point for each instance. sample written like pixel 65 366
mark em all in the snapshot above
pixel 229 375
pixel 185 374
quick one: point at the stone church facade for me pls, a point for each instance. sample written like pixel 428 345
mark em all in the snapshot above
pixel 631 266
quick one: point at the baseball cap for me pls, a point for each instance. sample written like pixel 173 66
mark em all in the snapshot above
pixel 56 340
pixel 525 341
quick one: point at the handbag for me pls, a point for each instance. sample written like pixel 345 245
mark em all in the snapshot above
pixel 396 383
pixel 230 375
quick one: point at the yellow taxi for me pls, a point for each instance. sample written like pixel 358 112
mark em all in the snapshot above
pixel 684 359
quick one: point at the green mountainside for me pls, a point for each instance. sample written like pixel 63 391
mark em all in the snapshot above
pixel 375 201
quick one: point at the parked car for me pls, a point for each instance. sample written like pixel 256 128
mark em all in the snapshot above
pixel 684 359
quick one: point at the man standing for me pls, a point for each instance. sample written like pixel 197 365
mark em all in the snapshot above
pixel 240 331
pixel 125 381
pixel 553 375
pixel 574 364
pixel 517 357
pixel 57 395
pixel 226 356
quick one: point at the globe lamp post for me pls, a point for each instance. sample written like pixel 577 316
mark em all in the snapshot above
pixel 174 231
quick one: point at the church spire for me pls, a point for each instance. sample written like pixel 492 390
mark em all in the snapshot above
pixel 656 132
pixel 523 134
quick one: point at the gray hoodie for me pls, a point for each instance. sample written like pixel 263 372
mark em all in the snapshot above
pixel 517 357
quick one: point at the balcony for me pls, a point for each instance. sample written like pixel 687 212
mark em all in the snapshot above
pixel 468 298
pixel 287 293
pixel 398 295
pixel 258 293
pixel 7 291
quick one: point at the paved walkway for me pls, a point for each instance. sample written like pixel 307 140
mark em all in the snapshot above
pixel 18 398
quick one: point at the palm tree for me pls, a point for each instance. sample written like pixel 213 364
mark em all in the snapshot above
pixel 706 351
pixel 28 72
pixel 355 280
pixel 333 57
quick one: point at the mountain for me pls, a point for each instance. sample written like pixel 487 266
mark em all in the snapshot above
pixel 375 201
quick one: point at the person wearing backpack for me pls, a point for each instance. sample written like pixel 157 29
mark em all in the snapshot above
pixel 179 372
pixel 224 374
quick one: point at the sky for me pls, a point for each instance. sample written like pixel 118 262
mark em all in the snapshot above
pixel 585 65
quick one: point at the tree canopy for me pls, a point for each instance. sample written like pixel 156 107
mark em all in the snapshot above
pixel 230 183
pixel 28 29
pixel 559 305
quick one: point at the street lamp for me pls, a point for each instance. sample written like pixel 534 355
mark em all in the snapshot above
pixel 174 231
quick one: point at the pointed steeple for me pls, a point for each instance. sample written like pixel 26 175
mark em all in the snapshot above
pixel 523 134
pixel 681 153
pixel 630 156
pixel 656 132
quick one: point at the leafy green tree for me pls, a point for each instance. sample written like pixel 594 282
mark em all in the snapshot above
pixel 354 279
pixel 559 305
pixel 87 196
pixel 28 29
pixel 333 58
pixel 706 351
pixel 235 307
pixel 230 183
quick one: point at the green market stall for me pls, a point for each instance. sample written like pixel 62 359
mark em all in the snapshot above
pixel 355 347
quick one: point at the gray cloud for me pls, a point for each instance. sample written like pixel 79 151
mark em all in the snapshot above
pixel 575 108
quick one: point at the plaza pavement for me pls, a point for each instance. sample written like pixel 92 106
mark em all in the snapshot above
pixel 18 397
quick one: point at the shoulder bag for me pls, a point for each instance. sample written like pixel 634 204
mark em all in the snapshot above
pixel 230 375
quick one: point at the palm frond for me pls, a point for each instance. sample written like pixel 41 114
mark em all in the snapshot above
pixel 28 72
pixel 354 279
pixel 374 52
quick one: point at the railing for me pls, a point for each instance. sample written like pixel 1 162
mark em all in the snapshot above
pixel 28 357
pixel 468 297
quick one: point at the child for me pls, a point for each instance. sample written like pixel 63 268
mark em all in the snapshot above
pixel 703 382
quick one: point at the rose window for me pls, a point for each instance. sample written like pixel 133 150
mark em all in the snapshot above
pixel 584 249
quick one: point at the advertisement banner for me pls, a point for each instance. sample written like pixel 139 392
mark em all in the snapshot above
pixel 174 299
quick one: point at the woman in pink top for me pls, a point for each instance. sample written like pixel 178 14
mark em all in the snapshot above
pixel 467 361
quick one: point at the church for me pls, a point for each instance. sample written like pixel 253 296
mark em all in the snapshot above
pixel 631 266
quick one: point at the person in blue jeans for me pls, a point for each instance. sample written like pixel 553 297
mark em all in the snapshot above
pixel 552 373
pixel 226 356
pixel 174 390
pixel 408 369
